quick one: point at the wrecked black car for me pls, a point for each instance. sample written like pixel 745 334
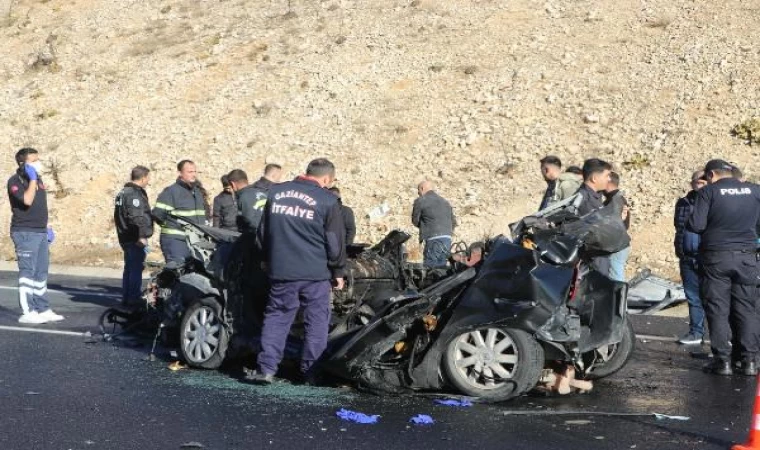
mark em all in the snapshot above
pixel 506 316
pixel 531 312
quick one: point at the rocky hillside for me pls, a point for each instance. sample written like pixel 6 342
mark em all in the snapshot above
pixel 468 93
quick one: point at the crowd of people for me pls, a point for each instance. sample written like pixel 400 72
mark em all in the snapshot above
pixel 303 229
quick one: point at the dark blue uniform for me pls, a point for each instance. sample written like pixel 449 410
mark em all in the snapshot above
pixel 303 236
pixel 726 215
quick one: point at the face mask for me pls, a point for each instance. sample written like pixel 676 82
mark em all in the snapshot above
pixel 37 166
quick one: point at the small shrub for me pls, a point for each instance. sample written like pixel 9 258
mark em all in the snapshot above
pixel 637 162
pixel 749 131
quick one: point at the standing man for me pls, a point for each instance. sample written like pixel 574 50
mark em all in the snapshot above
pixel 224 213
pixel 303 237
pixel 251 201
pixel 272 175
pixel 687 250
pixel 619 259
pixel 726 214
pixel 596 177
pixel 134 226
pixel 559 185
pixel 433 215
pixel 349 219
pixel 185 198
pixel 31 236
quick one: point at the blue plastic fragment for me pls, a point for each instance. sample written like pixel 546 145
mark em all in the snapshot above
pixel 422 419
pixel 356 417
pixel 453 402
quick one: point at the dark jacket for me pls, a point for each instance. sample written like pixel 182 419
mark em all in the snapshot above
pixel 303 233
pixel 181 199
pixel 726 215
pixel 592 200
pixel 349 220
pixel 32 218
pixel 251 201
pixel 608 199
pixel 263 184
pixel 131 214
pixel 225 210
pixel 433 215
pixel 686 242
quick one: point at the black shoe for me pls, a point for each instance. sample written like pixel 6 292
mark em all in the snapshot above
pixel 719 367
pixel 748 368
pixel 259 378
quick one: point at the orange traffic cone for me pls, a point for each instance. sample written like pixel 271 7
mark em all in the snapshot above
pixel 753 442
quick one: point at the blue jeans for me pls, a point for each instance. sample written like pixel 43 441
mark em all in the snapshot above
pixel 33 257
pixel 691 283
pixel 131 280
pixel 617 264
pixel 437 251
pixel 285 298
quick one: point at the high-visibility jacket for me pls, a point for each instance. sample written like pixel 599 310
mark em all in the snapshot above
pixel 183 200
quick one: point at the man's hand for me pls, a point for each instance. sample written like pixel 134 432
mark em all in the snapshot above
pixel 30 172
pixel 625 212
pixel 339 284
pixel 142 242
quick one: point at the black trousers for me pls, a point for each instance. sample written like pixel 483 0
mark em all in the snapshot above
pixel 730 295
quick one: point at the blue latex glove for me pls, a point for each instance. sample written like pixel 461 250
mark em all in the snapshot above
pixel 452 402
pixel 50 235
pixel 357 417
pixel 422 419
pixel 30 172
pixel 146 249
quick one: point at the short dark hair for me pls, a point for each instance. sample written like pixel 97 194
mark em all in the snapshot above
pixel 335 191
pixel 575 169
pixel 23 154
pixel 552 160
pixel 593 166
pixel 138 173
pixel 615 178
pixel 269 168
pixel 181 164
pixel 320 167
pixel 236 176
pixel 225 181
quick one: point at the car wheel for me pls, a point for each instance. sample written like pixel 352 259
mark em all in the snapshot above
pixel 494 364
pixel 611 358
pixel 203 337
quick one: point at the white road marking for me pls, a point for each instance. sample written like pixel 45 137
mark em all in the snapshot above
pixel 45 331
pixel 70 292
pixel 649 337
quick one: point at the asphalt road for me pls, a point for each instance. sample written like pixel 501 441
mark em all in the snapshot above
pixel 66 391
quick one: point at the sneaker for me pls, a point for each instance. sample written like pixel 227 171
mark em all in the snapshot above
pixel 50 316
pixel 691 339
pixel 259 378
pixel 32 317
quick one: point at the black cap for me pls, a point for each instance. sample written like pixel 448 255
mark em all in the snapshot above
pixel 718 165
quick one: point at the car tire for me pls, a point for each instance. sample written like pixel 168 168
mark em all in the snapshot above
pixel 500 364
pixel 203 337
pixel 617 355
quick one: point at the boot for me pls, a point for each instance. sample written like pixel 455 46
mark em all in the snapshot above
pixel 719 367
pixel 748 367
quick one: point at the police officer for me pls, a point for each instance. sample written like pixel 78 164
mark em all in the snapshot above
pixel 303 237
pixel 726 214
pixel 251 200
pixel 185 198
pixel 134 226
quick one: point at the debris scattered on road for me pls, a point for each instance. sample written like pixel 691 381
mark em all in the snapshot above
pixel 356 417
pixel 176 365
pixel 173 354
pixel 422 419
pixel 192 445
pixel 453 402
